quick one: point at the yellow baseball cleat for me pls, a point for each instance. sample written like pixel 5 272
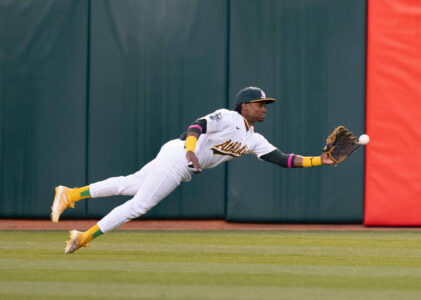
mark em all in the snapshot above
pixel 75 241
pixel 62 200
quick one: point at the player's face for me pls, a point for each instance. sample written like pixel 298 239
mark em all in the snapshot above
pixel 255 112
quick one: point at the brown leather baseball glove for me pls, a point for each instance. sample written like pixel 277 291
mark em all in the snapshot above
pixel 340 144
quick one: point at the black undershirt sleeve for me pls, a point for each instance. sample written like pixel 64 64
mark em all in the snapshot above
pixel 200 122
pixel 278 158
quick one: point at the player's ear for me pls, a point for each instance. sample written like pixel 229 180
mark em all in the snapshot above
pixel 243 107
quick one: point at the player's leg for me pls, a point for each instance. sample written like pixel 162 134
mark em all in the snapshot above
pixel 169 169
pixel 156 187
pixel 122 185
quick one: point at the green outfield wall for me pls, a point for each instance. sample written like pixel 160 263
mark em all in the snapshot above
pixel 43 99
pixel 92 89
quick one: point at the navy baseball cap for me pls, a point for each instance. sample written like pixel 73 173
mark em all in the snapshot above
pixel 252 94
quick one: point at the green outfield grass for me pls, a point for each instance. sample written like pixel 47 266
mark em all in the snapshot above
pixel 213 265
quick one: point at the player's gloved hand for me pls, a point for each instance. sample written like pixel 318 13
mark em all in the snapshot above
pixel 192 158
pixel 326 160
pixel 340 144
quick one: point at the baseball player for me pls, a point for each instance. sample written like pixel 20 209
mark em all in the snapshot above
pixel 209 141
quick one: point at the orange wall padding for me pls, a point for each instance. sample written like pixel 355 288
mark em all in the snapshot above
pixel 393 157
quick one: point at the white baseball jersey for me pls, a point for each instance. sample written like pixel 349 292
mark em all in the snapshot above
pixel 227 137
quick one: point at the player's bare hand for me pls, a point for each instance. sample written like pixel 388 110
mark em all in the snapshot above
pixel 326 160
pixel 192 158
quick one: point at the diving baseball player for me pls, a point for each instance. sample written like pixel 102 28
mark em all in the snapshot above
pixel 209 141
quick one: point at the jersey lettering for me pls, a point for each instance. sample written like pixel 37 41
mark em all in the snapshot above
pixel 231 148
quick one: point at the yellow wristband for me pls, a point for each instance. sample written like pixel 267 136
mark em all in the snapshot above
pixel 316 161
pixel 191 143
pixel 306 162
pixel 312 161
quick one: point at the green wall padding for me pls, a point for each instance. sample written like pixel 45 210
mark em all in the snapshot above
pixel 156 66
pixel 42 103
pixel 310 56
pixel 92 89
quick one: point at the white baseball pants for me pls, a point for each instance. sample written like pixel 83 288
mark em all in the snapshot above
pixel 149 185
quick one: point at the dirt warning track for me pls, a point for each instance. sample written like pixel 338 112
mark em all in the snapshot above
pixel 10 224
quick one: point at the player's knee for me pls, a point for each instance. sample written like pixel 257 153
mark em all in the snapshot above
pixel 138 210
pixel 124 182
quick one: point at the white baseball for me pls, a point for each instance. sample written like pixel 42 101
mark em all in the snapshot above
pixel 363 139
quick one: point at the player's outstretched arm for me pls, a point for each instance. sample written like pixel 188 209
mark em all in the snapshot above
pixel 296 161
pixel 312 161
